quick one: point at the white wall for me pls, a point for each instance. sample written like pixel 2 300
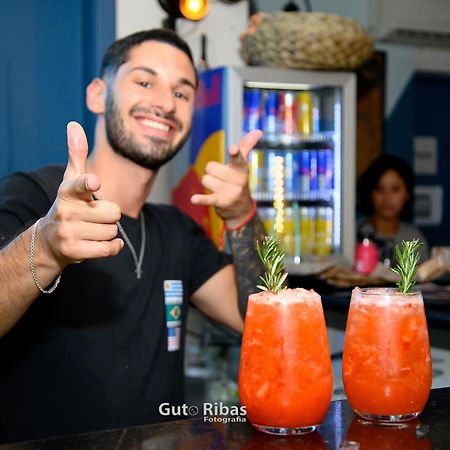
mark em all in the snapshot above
pixel 136 15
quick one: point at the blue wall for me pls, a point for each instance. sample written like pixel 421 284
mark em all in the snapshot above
pixel 399 127
pixel 422 110
pixel 432 100
pixel 50 50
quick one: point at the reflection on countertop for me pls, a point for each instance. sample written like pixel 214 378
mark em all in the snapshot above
pixel 430 431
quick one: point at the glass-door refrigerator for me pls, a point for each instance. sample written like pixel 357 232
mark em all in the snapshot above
pixel 302 171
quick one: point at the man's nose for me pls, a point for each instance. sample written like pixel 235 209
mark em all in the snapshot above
pixel 164 99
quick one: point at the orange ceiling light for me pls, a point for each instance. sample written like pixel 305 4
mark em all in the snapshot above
pixel 194 9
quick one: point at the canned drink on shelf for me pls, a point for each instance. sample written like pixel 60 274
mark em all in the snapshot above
pixel 324 231
pixel 292 174
pixel 316 127
pixel 325 169
pixel 321 171
pixel 313 183
pixel 307 218
pixel 252 110
pixel 267 216
pixel 257 173
pixel 329 169
pixel 305 113
pixel 287 117
pixel 288 236
pixel 297 237
pixel 269 116
pixel 305 173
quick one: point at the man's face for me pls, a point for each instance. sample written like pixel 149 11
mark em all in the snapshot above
pixel 149 104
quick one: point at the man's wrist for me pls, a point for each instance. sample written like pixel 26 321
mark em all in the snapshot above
pixel 45 258
pixel 241 223
pixel 33 265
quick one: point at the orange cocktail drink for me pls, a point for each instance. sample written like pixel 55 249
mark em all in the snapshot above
pixel 285 375
pixel 386 365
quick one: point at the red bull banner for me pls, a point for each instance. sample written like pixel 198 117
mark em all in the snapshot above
pixel 207 144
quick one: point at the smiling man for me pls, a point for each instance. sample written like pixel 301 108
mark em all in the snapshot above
pixel 96 282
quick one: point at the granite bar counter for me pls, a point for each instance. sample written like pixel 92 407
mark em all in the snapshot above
pixel 430 431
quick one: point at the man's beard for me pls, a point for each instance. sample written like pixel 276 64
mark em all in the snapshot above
pixel 152 155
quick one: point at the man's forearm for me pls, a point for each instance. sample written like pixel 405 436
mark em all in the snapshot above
pixel 248 266
pixel 18 290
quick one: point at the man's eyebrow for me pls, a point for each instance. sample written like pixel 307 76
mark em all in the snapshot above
pixel 182 81
pixel 188 83
pixel 144 69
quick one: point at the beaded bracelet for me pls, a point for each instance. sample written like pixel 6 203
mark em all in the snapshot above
pixel 33 267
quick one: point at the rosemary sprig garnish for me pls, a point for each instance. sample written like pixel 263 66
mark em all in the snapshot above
pixel 272 257
pixel 407 259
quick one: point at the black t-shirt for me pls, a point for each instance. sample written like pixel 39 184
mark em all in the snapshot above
pixel 105 349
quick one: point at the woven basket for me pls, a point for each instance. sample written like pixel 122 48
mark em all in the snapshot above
pixel 305 41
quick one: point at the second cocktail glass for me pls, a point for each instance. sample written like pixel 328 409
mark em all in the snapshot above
pixel 285 375
pixel 386 365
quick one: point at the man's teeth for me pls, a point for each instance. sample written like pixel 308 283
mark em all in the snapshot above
pixel 157 125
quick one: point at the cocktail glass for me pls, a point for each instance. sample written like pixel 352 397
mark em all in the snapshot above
pixel 386 363
pixel 285 375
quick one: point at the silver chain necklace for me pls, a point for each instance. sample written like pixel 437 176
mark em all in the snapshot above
pixel 137 261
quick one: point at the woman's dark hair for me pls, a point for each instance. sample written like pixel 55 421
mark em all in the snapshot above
pixel 118 52
pixel 368 182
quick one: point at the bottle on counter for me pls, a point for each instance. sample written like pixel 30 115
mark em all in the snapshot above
pixel 366 252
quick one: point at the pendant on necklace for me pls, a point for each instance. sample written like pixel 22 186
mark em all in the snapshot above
pixel 137 261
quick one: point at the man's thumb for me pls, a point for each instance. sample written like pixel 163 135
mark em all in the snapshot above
pixel 78 150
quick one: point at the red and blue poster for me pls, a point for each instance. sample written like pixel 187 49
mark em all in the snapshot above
pixel 207 144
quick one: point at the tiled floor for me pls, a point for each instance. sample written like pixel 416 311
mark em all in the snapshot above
pixel 440 358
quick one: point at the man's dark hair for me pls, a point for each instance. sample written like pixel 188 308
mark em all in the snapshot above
pixel 118 52
pixel 368 182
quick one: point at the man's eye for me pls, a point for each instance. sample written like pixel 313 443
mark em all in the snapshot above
pixel 179 94
pixel 145 84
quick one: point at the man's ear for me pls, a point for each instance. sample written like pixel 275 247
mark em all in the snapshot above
pixel 95 96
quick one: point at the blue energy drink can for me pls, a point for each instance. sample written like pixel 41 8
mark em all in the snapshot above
pixel 325 169
pixel 257 173
pixel 305 174
pixel 313 185
pixel 252 110
pixel 270 114
pixel 292 174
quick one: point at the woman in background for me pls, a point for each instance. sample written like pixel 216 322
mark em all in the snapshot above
pixel 386 198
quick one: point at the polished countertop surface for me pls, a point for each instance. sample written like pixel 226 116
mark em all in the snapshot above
pixel 430 431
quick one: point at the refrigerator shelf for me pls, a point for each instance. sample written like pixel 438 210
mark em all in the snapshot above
pixel 320 140
pixel 297 147
pixel 266 199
